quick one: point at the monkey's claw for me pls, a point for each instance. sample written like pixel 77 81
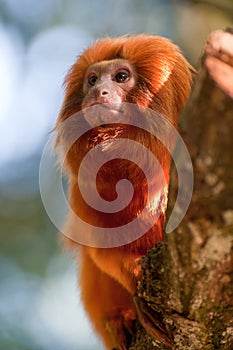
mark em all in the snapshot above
pixel 151 324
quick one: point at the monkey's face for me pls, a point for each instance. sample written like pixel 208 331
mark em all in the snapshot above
pixel 106 86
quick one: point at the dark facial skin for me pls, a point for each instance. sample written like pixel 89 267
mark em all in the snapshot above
pixel 108 82
pixel 106 85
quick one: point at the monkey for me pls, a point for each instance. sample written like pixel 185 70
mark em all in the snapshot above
pixel 107 80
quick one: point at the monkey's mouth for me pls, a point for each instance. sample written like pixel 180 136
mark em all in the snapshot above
pixel 100 114
pixel 106 105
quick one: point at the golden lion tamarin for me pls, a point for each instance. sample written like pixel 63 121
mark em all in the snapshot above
pixel 110 76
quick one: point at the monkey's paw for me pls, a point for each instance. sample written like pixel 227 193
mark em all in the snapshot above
pixel 151 324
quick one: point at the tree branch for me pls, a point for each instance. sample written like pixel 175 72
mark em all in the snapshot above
pixel 188 281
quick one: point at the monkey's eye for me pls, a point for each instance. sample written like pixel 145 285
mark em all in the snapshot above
pixel 92 79
pixel 121 77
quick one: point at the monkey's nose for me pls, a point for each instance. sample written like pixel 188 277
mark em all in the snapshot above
pixel 104 92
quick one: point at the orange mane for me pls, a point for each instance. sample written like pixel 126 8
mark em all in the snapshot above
pixel 161 68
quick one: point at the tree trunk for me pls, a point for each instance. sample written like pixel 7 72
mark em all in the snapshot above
pixel 188 281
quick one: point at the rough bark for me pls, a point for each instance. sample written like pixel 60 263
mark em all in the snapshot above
pixel 188 281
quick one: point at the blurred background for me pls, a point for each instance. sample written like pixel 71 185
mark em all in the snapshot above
pixel 39 40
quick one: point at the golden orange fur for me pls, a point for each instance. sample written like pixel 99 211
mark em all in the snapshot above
pixel 109 276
